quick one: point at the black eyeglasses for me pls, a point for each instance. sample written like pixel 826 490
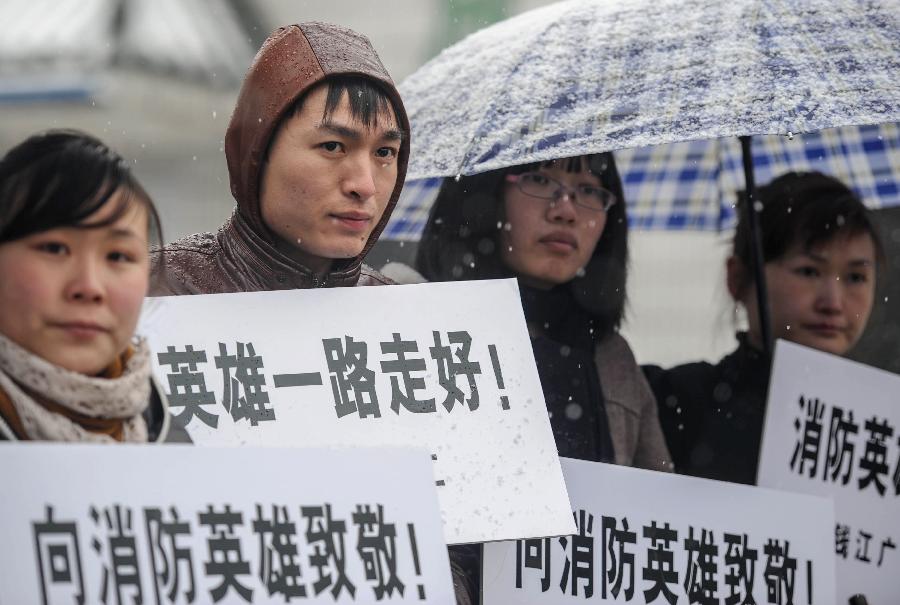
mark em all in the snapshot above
pixel 542 186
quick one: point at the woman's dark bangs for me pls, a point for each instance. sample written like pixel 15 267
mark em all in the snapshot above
pixel 840 217
pixel 61 178
pixel 131 194
pixel 523 168
pixel 100 200
pixel 42 196
pixel 595 163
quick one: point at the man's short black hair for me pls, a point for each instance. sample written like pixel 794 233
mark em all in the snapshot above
pixel 366 99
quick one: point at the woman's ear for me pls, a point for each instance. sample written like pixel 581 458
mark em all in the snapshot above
pixel 735 278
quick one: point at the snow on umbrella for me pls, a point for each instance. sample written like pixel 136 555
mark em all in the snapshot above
pixel 587 76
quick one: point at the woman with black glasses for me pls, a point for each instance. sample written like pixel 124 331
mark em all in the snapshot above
pixel 560 228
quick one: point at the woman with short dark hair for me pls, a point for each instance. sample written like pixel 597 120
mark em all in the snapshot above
pixel 75 227
pixel 821 255
pixel 560 228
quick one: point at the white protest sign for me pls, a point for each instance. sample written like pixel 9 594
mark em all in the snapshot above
pixel 650 537
pixel 445 366
pixel 181 524
pixel 833 429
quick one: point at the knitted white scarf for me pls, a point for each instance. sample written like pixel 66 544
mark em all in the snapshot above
pixel 123 398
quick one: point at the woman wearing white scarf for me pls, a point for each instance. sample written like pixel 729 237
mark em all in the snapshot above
pixel 74 237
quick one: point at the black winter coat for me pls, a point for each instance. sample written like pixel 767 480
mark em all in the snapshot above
pixel 712 415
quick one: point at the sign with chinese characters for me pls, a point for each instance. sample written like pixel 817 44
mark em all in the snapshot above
pixel 172 525
pixel 445 366
pixel 649 537
pixel 833 429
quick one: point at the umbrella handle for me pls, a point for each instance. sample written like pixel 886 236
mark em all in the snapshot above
pixel 762 295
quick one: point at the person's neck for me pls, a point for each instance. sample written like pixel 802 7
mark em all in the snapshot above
pixel 755 341
pixel 535 284
pixel 318 265
pixel 554 314
pixel 753 345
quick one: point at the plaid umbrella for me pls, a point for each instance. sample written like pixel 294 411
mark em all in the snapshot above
pixel 588 76
pixel 693 185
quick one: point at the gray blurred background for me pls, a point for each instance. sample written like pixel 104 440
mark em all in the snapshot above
pixel 157 80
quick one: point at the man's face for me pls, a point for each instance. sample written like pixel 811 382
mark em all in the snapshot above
pixel 327 182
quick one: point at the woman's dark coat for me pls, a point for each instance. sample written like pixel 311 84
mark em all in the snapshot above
pixel 712 415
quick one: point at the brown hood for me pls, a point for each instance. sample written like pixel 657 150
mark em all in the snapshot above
pixel 291 61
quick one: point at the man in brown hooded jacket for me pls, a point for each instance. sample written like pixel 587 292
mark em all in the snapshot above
pixel 317 150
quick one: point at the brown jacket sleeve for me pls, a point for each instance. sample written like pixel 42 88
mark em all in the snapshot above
pixel 630 408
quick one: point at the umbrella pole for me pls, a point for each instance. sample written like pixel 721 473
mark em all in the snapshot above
pixel 756 250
